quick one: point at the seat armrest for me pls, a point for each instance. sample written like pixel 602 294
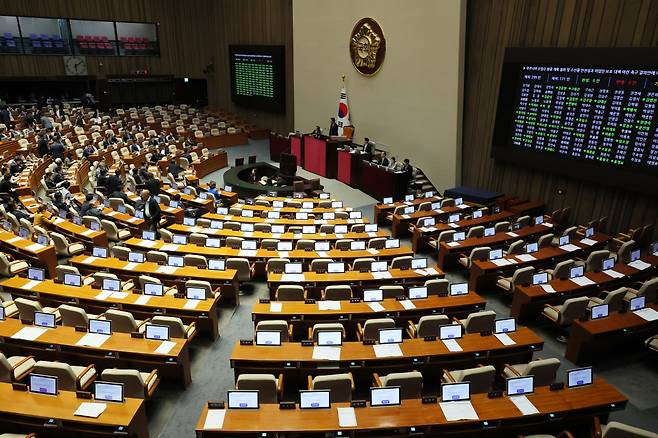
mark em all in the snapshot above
pixel 512 369
pixel 310 333
pixel 90 369
pixel 279 384
pixel 290 330
pixel 377 380
pixel 190 332
pixel 411 329
pixel 552 307
pixel 359 331
pixel 596 428
pixel 310 382
pixel 143 324
pixel 152 376
pixel 448 376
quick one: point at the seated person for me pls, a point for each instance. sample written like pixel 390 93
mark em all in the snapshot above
pixel 212 188
pixel 174 168
pixel 90 207
pixel 382 160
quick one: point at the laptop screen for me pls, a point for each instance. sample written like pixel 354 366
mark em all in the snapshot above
pixel 505 325
pixel 637 303
pixel 455 391
pixel 600 311
pixel 379 266
pixel 539 278
pixel 450 331
pixel 136 257
pixel 386 396
pixel 243 399
pixel 419 263
pixel 336 267
pixel 322 246
pixel 417 293
pixel 217 264
pixel 153 289
pixel 458 289
pixel 392 243
pixel 293 268
pixel 111 284
pixel 37 274
pixel 520 385
pixel 98 251
pixel 358 245
pixel 576 271
pixel 579 377
pixel 195 293
pixel 285 245
pixel 41 384
pixel 268 337
pixel 100 326
pixel 372 295
pixel 318 399
pixel 330 338
pixel 390 336
pixel 176 261
pixel 72 280
pixel 43 319
pixel 157 332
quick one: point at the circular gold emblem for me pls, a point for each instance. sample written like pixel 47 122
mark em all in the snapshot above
pixel 367 46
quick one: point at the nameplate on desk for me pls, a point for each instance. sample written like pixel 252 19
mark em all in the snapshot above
pixel 287 405
pixel 137 335
pixel 309 301
pixel 246 342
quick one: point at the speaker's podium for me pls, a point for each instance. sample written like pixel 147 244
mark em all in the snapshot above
pixel 320 155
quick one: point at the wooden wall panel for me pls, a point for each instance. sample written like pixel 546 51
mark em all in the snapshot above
pixel 493 25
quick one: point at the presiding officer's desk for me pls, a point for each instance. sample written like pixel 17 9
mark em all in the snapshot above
pixel 36 254
pixel 429 357
pixel 618 332
pixel 120 350
pixel 567 409
pixel 302 316
pixel 201 312
pixel 400 223
pixel 380 211
pixel 528 301
pixel 485 272
pixel 31 412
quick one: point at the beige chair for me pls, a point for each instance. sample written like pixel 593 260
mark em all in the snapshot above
pixel 263 228
pixel 562 269
pixel 337 292
pixel 26 309
pixel 200 284
pixel 502 226
pixel 176 327
pixel 652 343
pixel 325 326
pixel 73 316
pixel 371 327
pixel 428 325
pixel 475 232
pixel 233 226
pixel 10 268
pixel 340 385
pixel 242 265
pixel 545 241
pixel 447 202
pixel 69 378
pixel 648 289
pixel 320 265
pixel 437 286
pixel 521 277
pixel 15 368
pixel 615 429
pixel 305 245
pixel 480 253
pixel 136 384
pixel 544 370
pixel 234 242
pixel 563 315
pixel 358 228
pixel 614 299
pixel 523 221
pixel 595 260
pixel 276 265
pixel 624 251
pixel 62 270
pixel 377 243
pixel 410 383
pixel 444 236
pixel 278 325
pixel 113 233
pixel 120 252
pixel 290 292
pixel 269 387
pixel 158 257
pixel 327 228
pixel 362 264
pixel 478 322
pixel 517 247
pixel 63 247
pixel 124 322
pixel 402 262
pixel 166 236
pixel 198 261
pixel 198 239
pixel 343 244
pixel 269 244
pixel 481 378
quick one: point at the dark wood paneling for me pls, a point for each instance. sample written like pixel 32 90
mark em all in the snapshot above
pixel 494 25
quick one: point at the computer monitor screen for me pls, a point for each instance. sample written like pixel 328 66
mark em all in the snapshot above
pixel 72 279
pixel 277 204
pixel 228 188
pixel 379 266
pixel 608 263
pixel 2 313
pixel 489 231
pixel 24 232
pixel 222 210
pixel 111 284
pixel 358 245
pixel 637 303
pixel 531 247
pixel 505 325
pixel 157 332
pixel 329 216
pixel 520 385
pixel 307 204
pixel 453 218
pixel 564 240
pixel 285 245
pixel 174 204
pixel 176 261
pixel 247 213
pixel 247 228
pixel 579 377
pixel 93 225
pixel 268 337
pixel 388 200
pixel 249 244
pixel 459 236
pixel 217 225
pixel 324 195
pixel 336 204
pixel 136 257
pixel 455 391
pixel 322 246
pixel 355 215
pixel 429 222
pixel 41 384
pixel 429 194
pixel 477 214
pixel 436 206
pixel 37 274
pixel 212 242
pixel 458 289
pixel 419 263
pixel 317 399
pixel 459 201
pixel 148 235
pixel 589 232
pixel 273 215
pixel 293 268
pixel 301 215
pixel 539 278
pixel 372 295
pixel 495 254
pixel 340 229
pixel 153 289
pixel 217 264
pixel 43 240
pixel 385 396
pixel 98 251
pixel 336 267
pixel 390 336
pixel 600 311
pixel 278 229
pixel 100 326
pixel 635 255
pixel 576 271
pixel 539 220
pixel 417 293
pixel 243 399
pixel 450 331
pixel 330 338
pixel 654 248
pixel 392 243
pixel 308 229
pixel 370 228
pixel 189 221
pixel 409 198
pixel 179 239
pixel 408 210
pixel 195 293
pixel 43 319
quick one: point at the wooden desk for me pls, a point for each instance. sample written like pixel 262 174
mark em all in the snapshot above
pixel 283 221
pixel 175 214
pixel 287 199
pixel 302 316
pixel 229 198
pixel 191 201
pixel 49 292
pixel 449 253
pixel 206 166
pixel 134 224
pixel 421 236
pixel 529 301
pixel 292 210
pixel 618 332
pixel 400 223
pixel 428 357
pixel 120 350
pixel 77 233
pixel 484 272
pixel 30 412
pixel 571 409
pixel 380 211
pixel 380 182
pixel 36 254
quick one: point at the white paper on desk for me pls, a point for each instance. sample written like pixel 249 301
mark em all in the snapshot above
pixel 408 304
pixel 92 340
pixel 453 225
pixel 420 272
pixel 29 333
pixel 387 350
pixel 14 239
pixel 89 409
pixel 587 241
pixel 381 275
pixel 34 247
pixel 59 220
pixel 547 288
pixel 452 244
pixel 438 210
pixel 452 345
pixel 462 206
pixel 547 224
pixel 339 235
pixel 30 284
pixel 639 264
pixel 458 410
pixel 525 257
pixel 524 405
pixel 214 419
pixel 372 234
pixel 501 262
pixel 142 300
pixel 89 260
pixel 276 307
pixel 569 247
pixel 247 253
pixel 512 234
pixel 103 295
pixel 247 234
pixel 376 307
pixel 169 247
pixel 149 243
pixel 283 254
pixel 431 271
pixel 346 417
pixel 326 353
pixel 293 278
pixel 647 314
pixel 612 273
pixel 270 220
pixel 166 269
pixel 328 305
pixel 133 219
pixel 130 266
pixel 119 295
pixel 322 254
pixel 88 232
pixel 504 338
pixel 372 251
pixel 165 347
pixel 191 304
pixel 582 281
pixel 405 216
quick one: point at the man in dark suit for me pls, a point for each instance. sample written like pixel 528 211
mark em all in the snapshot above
pixel 383 160
pixel 152 185
pixel 42 149
pixel 368 149
pixel 333 127
pixel 57 149
pixel 151 210
pixel 174 169
pixel 114 183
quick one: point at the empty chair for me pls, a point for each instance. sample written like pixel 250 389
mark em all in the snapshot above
pixel 402 262
pixel 545 241
pixel 478 322
pixel 166 235
pixel 544 370
pixel 615 429
pixel 62 270
pixel 427 325
pixel 447 202
pixel 326 326
pixel 358 228
pixel 562 269
pixel 136 384
pixel 263 228
pixel 320 265
pixel 10 268
pixel 305 245
pixel 410 383
pixel 648 289
pixel 563 315
pixel 290 292
pixel 113 233
pixel 26 309
pixel 15 368
pixel 624 251
pixel 614 299
pixel 480 253
pixel 337 292
pixel 233 226
pixel 198 239
pixel 242 265
pixel 501 227
pixel 234 242
pixel 277 265
pixel 652 343
pixel 517 247
pixel 124 322
pixel 176 327
pixel 475 232
pixel 327 228
pixel 521 277
pixel 158 257
pixel 481 378
pixel 595 260
pixel 437 286
pixel 270 388
pixel 73 316
pixel 523 221
pixel 277 325
pixel 198 261
pixel 341 386
pixel 64 247
pixel 377 243
pixel 120 252
pixel 371 327
pixel 69 378
pixel 205 285
pixel 362 264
